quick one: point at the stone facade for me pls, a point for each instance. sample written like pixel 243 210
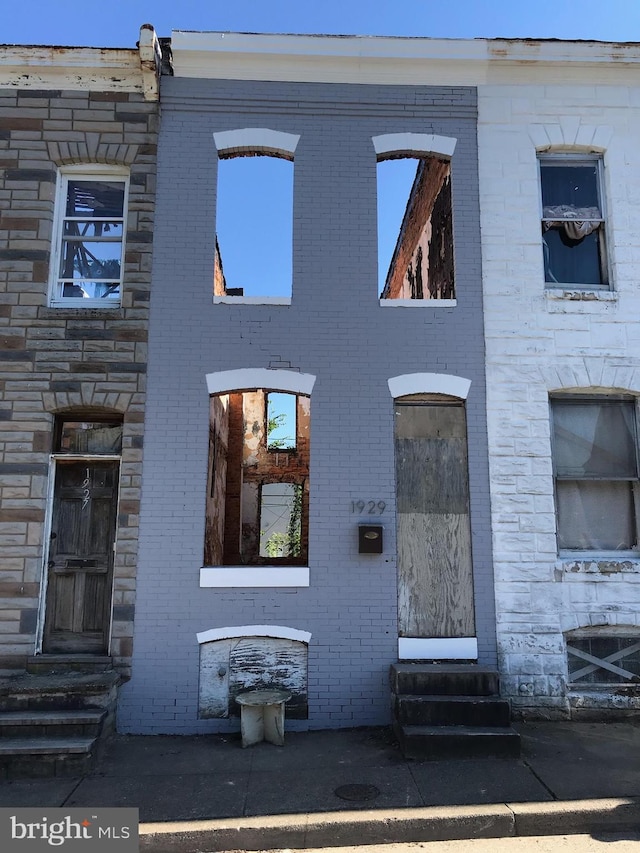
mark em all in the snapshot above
pixel 60 107
pixel 542 341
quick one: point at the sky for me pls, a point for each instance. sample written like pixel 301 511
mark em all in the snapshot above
pixel 117 23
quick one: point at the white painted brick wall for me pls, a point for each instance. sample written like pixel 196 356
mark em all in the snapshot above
pixel 538 342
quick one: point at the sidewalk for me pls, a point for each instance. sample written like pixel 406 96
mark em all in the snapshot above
pixel 343 787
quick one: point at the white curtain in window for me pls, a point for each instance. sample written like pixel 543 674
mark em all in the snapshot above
pixel 595 515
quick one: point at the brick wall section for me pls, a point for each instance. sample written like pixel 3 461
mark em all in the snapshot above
pixel 334 329
pixel 51 360
pixel 542 341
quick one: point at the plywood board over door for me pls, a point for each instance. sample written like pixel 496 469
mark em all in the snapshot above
pixel 435 575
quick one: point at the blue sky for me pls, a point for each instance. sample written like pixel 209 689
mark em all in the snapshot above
pixel 116 23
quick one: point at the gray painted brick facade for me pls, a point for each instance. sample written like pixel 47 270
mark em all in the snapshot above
pixel 334 329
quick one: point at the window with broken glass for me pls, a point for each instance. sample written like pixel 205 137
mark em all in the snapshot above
pixel 415 229
pixel 88 257
pixel 573 223
pixel 595 453
pixel 258 483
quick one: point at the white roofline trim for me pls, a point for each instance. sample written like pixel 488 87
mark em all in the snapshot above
pixel 429 383
pixel 278 632
pixel 260 377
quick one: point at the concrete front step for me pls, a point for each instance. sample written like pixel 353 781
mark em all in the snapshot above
pixel 43 664
pixel 452 710
pixel 444 742
pixel 32 757
pixel 59 691
pixel 24 724
pixel 444 679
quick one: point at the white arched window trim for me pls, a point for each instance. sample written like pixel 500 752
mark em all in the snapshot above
pixel 429 383
pixel 278 632
pixel 413 144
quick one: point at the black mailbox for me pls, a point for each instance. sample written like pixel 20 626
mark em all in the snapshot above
pixel 370 539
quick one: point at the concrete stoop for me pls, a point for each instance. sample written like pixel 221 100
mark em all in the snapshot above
pixel 52 724
pixel 451 711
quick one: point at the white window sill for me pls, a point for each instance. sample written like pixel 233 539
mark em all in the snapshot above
pixel 252 300
pixel 85 303
pixel 418 303
pixel 580 294
pixel 254 576
pixel 599 562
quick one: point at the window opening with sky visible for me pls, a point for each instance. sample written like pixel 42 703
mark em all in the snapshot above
pixel 415 230
pixel 254 222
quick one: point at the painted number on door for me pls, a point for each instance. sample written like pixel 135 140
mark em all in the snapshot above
pixel 86 491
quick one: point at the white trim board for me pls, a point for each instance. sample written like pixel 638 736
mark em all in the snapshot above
pixel 280 632
pixel 437 648
pixel 429 383
pixel 413 143
pixel 254 576
pixel 260 377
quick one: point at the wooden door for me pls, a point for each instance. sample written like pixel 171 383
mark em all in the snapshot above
pixel 435 579
pixel 80 568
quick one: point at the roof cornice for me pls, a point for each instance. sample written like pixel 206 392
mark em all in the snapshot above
pixel 372 59
pixel 106 69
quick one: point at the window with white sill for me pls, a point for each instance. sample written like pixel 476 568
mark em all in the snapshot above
pixel 595 454
pixel 89 237
pixel 573 222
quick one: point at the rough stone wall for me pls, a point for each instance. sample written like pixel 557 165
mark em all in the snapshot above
pixel 335 329
pixel 52 360
pixel 540 341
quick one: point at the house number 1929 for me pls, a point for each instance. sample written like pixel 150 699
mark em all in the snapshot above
pixel 368 507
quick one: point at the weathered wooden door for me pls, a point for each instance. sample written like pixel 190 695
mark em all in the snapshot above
pixel 435 579
pixel 80 567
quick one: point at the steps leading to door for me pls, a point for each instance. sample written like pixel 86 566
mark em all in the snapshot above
pixel 52 724
pixel 450 711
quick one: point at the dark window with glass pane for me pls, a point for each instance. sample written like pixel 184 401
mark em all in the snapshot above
pixel 596 469
pixel 573 239
pixel 92 240
pixel 89 437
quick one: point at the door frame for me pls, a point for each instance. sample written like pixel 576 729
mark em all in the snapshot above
pixel 434 648
pixel 54 459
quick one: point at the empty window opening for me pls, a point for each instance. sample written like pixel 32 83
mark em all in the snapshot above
pixel 258 494
pixel 596 471
pixel 88 260
pixel 573 233
pixel 415 229
pixel 281 421
pixel 254 221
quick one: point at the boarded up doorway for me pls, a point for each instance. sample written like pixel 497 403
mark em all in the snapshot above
pixel 435 577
